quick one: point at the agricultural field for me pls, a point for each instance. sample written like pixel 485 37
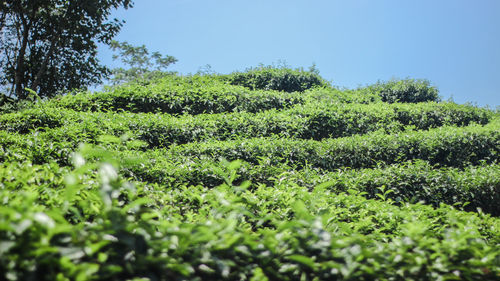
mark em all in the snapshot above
pixel 268 174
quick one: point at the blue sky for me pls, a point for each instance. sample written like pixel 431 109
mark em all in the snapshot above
pixel 453 43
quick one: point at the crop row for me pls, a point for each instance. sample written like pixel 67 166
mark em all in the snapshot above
pixel 415 181
pixel 476 186
pixel 311 121
pixel 181 95
pixel 284 232
pixel 445 146
pixel 137 183
pixel 53 185
pixel 206 94
pixel 287 158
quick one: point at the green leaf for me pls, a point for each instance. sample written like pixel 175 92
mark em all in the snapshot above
pixel 303 260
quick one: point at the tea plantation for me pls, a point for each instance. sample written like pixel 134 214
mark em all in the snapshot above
pixel 268 174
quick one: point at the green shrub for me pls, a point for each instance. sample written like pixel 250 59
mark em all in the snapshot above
pixel 469 188
pixel 38 119
pixel 281 233
pixel 177 95
pixel 330 95
pixel 276 78
pixel 310 121
pixel 407 90
pixel 445 146
pixel 5 100
pixel 150 196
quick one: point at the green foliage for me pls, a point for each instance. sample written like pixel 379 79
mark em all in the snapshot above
pixel 407 90
pixel 329 95
pixel 283 233
pixel 5 100
pixel 310 121
pixel 442 146
pixel 468 188
pixel 137 183
pixel 277 78
pixel 178 95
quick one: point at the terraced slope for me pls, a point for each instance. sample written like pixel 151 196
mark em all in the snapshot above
pixel 269 174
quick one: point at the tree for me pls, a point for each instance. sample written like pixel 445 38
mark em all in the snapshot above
pixel 141 64
pixel 50 45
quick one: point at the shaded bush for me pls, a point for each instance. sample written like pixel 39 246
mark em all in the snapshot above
pixel 7 104
pixel 407 90
pixel 277 78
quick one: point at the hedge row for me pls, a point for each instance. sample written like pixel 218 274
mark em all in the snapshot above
pixel 445 146
pixel 187 165
pixel 116 210
pixel 471 187
pixel 178 95
pixel 313 121
pixel 36 148
pixel 283 159
pixel 280 233
pixel 476 186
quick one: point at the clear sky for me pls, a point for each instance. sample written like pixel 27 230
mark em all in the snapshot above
pixel 453 43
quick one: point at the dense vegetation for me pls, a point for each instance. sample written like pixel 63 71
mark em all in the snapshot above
pixel 268 174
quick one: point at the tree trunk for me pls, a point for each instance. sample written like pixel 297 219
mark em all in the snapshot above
pixel 18 77
pixel 43 67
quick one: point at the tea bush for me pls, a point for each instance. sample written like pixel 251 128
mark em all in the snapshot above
pixel 137 182
pixel 177 95
pixel 444 146
pixel 282 233
pixel 311 121
pixel 406 90
pixel 276 78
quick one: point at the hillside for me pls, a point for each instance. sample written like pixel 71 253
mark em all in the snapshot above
pixel 269 174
